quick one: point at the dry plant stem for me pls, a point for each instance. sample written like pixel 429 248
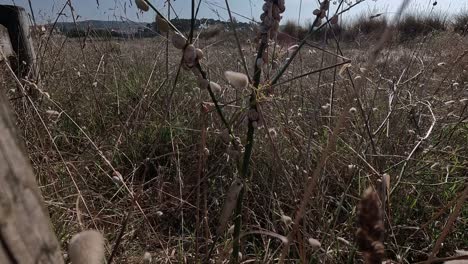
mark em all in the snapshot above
pixel 119 237
pixel 200 174
pixel 161 15
pixel 304 41
pixel 421 140
pixel 449 224
pixel 248 151
pixel 442 260
pixel 387 33
pixel 192 23
pixel 239 48
pixel 314 179
pixel 167 39
pixel 130 192
pixel 311 72
pixel 50 137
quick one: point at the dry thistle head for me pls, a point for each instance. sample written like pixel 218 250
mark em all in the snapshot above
pixel 371 228
pixel 86 247
pixel 237 79
pixel 142 5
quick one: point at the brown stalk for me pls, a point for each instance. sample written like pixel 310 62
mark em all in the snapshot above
pixel 370 228
pixel 449 225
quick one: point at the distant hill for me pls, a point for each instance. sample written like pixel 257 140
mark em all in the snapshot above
pixel 132 28
pixel 123 26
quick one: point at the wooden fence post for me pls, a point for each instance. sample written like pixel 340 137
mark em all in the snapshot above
pixel 26 235
pixel 15 20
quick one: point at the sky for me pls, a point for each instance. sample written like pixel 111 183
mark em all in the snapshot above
pixel 296 10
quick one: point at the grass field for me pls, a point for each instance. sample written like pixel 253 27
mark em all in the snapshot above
pixel 121 140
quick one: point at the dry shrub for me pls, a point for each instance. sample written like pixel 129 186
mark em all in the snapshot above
pixel 293 29
pixel 460 23
pixel 365 26
pixel 212 31
pixel 420 25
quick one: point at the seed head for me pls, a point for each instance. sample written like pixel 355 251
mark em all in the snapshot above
pixel 237 79
pixel 314 243
pixel 293 48
pixel 272 132
pixel 147 259
pixel 286 220
pixel 86 247
pixel 190 56
pixel 178 40
pixel 53 114
pixel 215 87
pixel 206 151
pixel 199 54
pixel 142 5
pixel 162 24
pixel 334 20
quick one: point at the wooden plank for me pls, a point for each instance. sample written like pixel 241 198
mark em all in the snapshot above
pixel 26 234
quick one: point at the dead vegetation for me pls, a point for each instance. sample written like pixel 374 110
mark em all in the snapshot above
pixel 118 135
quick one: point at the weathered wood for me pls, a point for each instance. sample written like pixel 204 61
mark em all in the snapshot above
pixel 26 235
pixel 5 44
pixel 15 19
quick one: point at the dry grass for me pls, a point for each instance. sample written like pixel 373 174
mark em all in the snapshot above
pixel 408 118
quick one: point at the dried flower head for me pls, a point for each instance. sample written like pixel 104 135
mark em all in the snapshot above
pixel 142 5
pixel 237 79
pixel 86 247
